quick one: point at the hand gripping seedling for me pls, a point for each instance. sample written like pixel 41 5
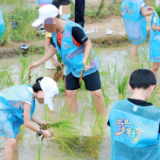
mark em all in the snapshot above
pixel 89 59
pixel 59 73
pixel 64 130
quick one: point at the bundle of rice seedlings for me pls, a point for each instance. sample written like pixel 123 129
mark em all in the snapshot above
pixel 64 131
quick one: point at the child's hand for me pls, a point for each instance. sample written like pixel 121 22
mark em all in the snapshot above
pixel 46 134
pixel 150 8
pixel 56 63
pixel 34 65
pixel 87 67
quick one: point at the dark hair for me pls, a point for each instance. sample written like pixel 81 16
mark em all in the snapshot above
pixel 36 87
pixel 142 78
pixel 58 3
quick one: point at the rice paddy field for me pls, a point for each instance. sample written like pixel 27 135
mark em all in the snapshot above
pixel 92 140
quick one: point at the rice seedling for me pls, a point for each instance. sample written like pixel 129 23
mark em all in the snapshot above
pixel 81 116
pixel 40 146
pixel 22 130
pixel 61 86
pixel 106 97
pixel 122 86
pixel 63 130
pixel 127 64
pixel 62 109
pixel 23 79
pixel 45 112
pixel 89 59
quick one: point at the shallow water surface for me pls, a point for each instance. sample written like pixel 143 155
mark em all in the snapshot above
pixel 88 146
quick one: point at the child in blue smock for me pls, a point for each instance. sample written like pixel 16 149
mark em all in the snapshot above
pixel 134 122
pixel 2 24
pixel 17 106
pixel 154 44
pixel 73 45
pixel 134 13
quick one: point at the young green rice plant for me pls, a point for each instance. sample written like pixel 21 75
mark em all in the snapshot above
pixel 81 116
pixel 127 64
pixel 122 86
pixel 62 110
pixel 45 112
pixel 40 146
pixel 63 130
pixel 22 130
pixel 106 97
pixel 61 86
pixel 23 79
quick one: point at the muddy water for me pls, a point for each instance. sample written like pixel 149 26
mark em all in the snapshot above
pixel 88 147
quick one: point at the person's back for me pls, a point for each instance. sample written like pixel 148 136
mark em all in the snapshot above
pixel 135 123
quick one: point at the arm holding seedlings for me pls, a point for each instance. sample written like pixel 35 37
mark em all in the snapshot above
pixel 155 28
pixel 87 45
pixel 46 57
pixel 147 12
pixel 38 121
pixel 29 124
pixel 47 47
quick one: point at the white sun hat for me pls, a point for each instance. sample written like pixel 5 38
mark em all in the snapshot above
pixel 47 11
pixel 49 86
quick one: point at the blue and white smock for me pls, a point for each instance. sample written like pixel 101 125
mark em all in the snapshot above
pixel 72 55
pixel 2 23
pixel 154 43
pixel 134 132
pixel 135 23
pixel 11 109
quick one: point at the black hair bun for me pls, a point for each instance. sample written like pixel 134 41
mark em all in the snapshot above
pixel 36 87
pixel 39 79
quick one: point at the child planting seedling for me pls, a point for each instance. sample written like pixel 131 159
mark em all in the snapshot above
pixel 134 122
pixel 73 46
pixel 134 13
pixel 154 44
pixel 17 105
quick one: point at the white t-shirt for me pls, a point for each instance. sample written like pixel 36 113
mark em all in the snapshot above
pixel 143 4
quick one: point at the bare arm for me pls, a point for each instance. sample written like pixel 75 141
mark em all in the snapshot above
pixel 147 12
pixel 47 47
pixel 29 124
pixel 46 57
pixel 38 121
pixel 155 28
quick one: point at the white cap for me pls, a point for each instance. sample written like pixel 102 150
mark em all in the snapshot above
pixel 47 11
pixel 49 86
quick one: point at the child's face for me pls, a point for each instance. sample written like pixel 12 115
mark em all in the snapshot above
pixel 40 97
pixel 50 25
pixel 65 11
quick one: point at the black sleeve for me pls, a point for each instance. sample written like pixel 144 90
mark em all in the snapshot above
pixel 108 123
pixel 159 129
pixel 79 35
